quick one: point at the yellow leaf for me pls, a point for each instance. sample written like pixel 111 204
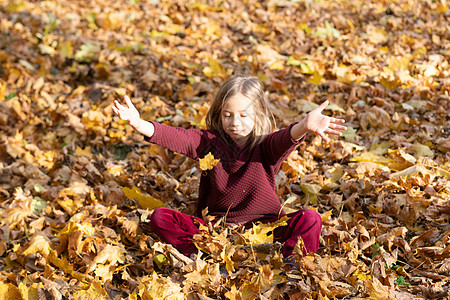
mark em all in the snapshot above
pixel 39 243
pixel 84 152
pixel 3 58
pixel 346 74
pixel 17 107
pixel 95 291
pixel 308 67
pixel 17 212
pixel 208 162
pixel 422 150
pixel 103 272
pixel 15 6
pixel 370 157
pixel 95 121
pixel 401 159
pixel 200 116
pixel 233 293
pixel 110 255
pixel 215 69
pixel 249 291
pixel 379 149
pixel 378 291
pixel 411 171
pixel 145 201
pixel 110 20
pixel 267 54
pixel 263 233
pixel 47 159
pixel 305 28
pixel 265 278
pixel 442 7
pixel 66 49
pixel 335 107
pixel 2 88
pixel 160 288
pixel 63 265
pixel 160 260
pixel 277 65
pixel 376 35
pixel 326 215
pixel 305 105
pixel 77 222
pixel 316 78
pixel 311 190
pixel 358 276
pixel 30 293
pixel 390 82
pixel 213 30
pixel 115 170
pixel 69 199
pixel 9 291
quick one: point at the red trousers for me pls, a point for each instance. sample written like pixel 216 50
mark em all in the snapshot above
pixel 178 229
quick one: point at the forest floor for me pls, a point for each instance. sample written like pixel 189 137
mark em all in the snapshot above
pixel 77 185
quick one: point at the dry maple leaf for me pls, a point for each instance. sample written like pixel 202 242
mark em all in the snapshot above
pixel 208 162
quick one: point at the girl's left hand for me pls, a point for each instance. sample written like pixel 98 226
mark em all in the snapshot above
pixel 321 124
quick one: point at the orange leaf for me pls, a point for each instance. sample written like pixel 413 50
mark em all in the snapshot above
pixel 208 162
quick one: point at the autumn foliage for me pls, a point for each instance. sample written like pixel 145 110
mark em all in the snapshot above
pixel 77 185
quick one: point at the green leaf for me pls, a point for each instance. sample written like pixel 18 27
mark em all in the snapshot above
pixel 307 67
pixel 37 205
pixel 293 62
pixel 160 260
pixel 86 52
pixel 39 188
pixel 91 21
pixel 305 106
pixel 401 280
pixel 350 134
pixel 376 249
pixel 10 96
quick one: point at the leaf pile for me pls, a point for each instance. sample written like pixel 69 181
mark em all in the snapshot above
pixel 77 185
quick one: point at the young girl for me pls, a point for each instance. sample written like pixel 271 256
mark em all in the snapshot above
pixel 241 187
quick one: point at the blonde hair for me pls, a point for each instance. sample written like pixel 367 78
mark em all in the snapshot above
pixel 251 88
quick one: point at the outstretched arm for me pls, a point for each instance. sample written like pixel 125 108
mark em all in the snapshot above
pixel 318 123
pixel 130 114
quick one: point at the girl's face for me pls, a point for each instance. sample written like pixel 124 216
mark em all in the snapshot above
pixel 238 118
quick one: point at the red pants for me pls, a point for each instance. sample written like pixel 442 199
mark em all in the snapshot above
pixel 178 229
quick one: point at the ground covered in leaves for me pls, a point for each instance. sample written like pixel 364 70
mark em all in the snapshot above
pixel 77 185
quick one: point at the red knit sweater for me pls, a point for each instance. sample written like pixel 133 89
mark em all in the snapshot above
pixel 242 185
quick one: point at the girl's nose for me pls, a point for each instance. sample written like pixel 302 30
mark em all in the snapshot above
pixel 235 120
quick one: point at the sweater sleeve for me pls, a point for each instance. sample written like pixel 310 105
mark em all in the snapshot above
pixel 278 145
pixel 189 142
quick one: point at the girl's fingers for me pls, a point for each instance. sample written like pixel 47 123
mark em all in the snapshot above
pixel 128 101
pixel 324 137
pixel 323 105
pixel 338 127
pixel 334 120
pixel 331 131
pixel 118 105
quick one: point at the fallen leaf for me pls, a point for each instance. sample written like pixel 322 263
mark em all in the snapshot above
pixel 208 162
pixel 145 201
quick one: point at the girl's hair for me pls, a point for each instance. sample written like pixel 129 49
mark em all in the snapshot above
pixel 251 88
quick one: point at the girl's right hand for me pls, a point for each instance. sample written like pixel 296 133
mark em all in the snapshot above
pixel 127 113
